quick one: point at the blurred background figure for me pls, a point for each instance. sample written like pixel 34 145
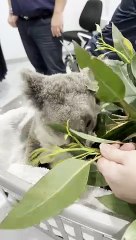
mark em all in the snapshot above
pixel 40 24
pixel 124 18
pixel 3 67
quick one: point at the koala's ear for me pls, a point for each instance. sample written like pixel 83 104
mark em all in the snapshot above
pixel 33 86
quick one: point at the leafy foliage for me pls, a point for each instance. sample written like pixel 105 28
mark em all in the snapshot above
pixel 73 165
pixel 130 232
pixel 118 206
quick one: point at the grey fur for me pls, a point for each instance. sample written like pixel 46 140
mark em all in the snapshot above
pixel 59 98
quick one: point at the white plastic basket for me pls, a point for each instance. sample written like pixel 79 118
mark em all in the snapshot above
pixel 77 222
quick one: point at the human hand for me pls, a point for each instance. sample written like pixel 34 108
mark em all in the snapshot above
pixel 118 166
pixel 57 24
pixel 12 20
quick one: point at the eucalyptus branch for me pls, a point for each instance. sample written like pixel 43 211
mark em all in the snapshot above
pixel 103 45
pixel 73 137
pixel 87 152
pixel 95 159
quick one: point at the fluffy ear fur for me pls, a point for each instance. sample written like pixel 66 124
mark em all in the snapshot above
pixel 33 87
pixel 42 88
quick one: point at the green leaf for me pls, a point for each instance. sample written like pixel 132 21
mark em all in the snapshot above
pixel 92 85
pixel 54 155
pixel 82 56
pixel 117 206
pixel 104 123
pixel 122 44
pixel 58 127
pixel 111 107
pixel 60 158
pixel 133 103
pixel 95 177
pixel 111 86
pixel 122 131
pixel 55 191
pixel 131 136
pixel 129 109
pixel 133 67
pixel 130 233
pixel 91 138
pixel 131 72
pixel 122 71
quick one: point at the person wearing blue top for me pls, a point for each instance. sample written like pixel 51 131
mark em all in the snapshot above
pixel 40 24
pixel 124 19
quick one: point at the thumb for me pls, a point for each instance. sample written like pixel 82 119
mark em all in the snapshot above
pixel 112 153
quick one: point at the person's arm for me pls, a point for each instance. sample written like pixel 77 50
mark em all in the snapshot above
pixel 12 19
pixel 9 3
pixel 57 18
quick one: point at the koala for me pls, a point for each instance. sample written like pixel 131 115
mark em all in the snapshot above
pixel 58 98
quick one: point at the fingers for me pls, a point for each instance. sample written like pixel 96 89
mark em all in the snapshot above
pixel 110 170
pixel 12 24
pixel 128 147
pixel 12 20
pixel 56 31
pixel 116 145
pixel 103 165
pixel 57 24
pixel 112 153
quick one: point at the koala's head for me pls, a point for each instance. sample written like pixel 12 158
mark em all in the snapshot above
pixel 63 97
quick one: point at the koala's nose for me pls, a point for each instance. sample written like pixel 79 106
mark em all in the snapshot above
pixel 88 123
pixel 84 124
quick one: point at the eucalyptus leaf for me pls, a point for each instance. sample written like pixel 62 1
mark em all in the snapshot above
pixel 121 208
pixel 122 70
pixel 107 79
pixel 121 131
pixel 58 127
pixel 111 86
pixel 111 107
pixel 122 44
pixel 92 85
pixel 133 66
pixel 91 138
pixel 95 177
pixel 133 103
pixel 82 56
pixel 129 109
pixel 104 123
pixel 130 71
pixel 133 135
pixel 50 195
pixel 54 155
pixel 130 233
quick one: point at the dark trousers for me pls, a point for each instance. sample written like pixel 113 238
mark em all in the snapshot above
pixel 3 67
pixel 43 50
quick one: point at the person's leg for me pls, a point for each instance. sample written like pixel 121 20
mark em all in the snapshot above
pixel 31 49
pixel 3 66
pixel 50 47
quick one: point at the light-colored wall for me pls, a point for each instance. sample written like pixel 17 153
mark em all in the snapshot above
pixel 10 39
